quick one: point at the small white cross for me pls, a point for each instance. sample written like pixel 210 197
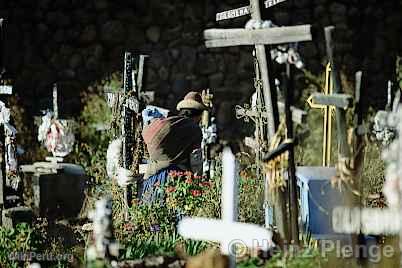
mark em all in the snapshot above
pixel 227 231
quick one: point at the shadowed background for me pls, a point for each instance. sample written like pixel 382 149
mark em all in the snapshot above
pixel 76 43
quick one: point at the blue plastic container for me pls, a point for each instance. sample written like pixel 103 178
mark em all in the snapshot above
pixel 317 200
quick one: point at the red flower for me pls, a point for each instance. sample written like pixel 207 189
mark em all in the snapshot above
pixel 196 193
pixel 189 181
pixel 170 189
pixel 205 184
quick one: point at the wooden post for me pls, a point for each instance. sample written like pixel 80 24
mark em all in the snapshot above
pixel 127 128
pixel 337 88
pixel 293 200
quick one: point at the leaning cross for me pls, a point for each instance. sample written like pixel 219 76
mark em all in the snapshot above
pixel 227 231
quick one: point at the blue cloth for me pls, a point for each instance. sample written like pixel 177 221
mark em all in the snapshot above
pixel 152 188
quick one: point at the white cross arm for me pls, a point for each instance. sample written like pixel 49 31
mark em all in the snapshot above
pixel 367 220
pixel 249 235
pixel 270 36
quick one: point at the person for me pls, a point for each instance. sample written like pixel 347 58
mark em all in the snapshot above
pixel 170 142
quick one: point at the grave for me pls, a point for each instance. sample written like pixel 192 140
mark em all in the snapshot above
pixel 58 188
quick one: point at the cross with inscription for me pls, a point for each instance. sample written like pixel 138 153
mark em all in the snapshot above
pixel 259 37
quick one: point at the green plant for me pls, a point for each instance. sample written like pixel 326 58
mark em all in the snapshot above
pixel 16 240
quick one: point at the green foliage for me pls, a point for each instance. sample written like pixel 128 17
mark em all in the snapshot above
pixel 16 240
pixel 306 258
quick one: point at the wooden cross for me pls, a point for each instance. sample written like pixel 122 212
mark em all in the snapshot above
pixel 227 231
pixel 130 98
pixel 259 38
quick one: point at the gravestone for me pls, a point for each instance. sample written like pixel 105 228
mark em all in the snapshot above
pixel 58 188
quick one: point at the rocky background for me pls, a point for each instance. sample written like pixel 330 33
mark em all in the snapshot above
pixel 76 43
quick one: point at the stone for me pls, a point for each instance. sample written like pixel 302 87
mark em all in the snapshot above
pixel 225 112
pixel 113 32
pixel 12 216
pixel 174 53
pixel 67 74
pixel 206 64
pixel 153 34
pixel 180 86
pixel 101 4
pixel 163 73
pixel 59 195
pixel 154 261
pixel 215 80
pixel 59 36
pixel 88 35
pixel 75 61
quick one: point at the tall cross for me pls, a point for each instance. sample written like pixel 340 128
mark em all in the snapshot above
pixel 259 38
pixel 129 100
pixel 327 124
pixel 227 231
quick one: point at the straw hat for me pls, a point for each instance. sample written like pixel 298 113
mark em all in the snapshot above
pixel 193 100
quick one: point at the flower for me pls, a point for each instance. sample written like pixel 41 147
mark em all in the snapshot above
pixel 189 181
pixel 171 189
pixel 196 193
pixel 205 184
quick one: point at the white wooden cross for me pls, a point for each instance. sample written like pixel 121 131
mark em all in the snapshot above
pixel 227 231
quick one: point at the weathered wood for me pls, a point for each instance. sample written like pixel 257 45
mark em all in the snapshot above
pixel 337 89
pixel 269 36
pixel 342 101
pixel 271 3
pixel 288 90
pixel 234 13
pixel 298 116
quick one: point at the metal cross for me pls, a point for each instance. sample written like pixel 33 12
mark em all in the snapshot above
pixel 328 112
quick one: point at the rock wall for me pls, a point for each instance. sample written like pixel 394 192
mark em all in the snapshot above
pixel 76 43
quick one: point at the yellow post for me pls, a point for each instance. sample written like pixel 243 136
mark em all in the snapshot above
pixel 328 111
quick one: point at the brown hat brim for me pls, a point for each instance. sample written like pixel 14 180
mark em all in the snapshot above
pixel 191 104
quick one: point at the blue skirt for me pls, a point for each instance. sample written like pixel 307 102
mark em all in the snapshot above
pixel 152 188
